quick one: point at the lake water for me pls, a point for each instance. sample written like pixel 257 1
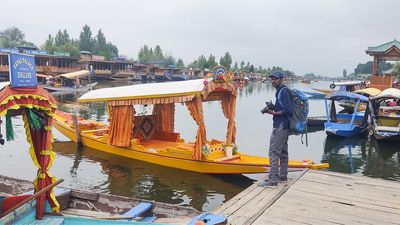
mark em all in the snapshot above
pixel 89 169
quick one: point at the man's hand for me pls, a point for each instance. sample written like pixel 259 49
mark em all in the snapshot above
pixel 272 112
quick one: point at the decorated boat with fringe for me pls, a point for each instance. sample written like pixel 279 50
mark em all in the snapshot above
pixel 152 138
pixel 385 115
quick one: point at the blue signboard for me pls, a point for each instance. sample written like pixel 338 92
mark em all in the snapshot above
pixel 22 70
pixel 7 50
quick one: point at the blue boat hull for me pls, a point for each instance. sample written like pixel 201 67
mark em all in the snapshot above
pixel 344 130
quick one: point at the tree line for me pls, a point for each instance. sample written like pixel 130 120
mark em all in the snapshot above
pixel 62 42
pixel 13 37
pixel 366 68
pixel 97 45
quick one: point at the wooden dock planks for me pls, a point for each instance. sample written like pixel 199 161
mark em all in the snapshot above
pixel 317 197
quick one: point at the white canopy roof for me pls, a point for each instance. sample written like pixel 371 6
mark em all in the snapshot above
pixel 3 84
pixel 368 91
pixel 74 74
pixel 150 90
pixel 347 83
pixel 388 93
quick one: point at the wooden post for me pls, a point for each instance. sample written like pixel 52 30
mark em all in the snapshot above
pixel 374 67
pixel 77 130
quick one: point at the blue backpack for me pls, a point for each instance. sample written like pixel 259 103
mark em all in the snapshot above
pixel 298 119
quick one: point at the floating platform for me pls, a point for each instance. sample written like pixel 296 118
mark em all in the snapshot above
pixel 316 121
pixel 317 197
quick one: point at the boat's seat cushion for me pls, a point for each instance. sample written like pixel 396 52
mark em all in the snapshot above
pixel 166 136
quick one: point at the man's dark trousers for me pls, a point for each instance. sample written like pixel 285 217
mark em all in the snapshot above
pixel 278 153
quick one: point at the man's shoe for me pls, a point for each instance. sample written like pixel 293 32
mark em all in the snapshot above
pixel 282 179
pixel 268 183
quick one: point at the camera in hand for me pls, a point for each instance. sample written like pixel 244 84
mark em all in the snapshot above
pixel 270 107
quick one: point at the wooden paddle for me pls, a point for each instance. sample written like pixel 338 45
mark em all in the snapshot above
pixel 30 198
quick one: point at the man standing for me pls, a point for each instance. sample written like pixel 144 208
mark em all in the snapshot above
pixel 278 148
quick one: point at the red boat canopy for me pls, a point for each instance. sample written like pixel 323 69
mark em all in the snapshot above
pixel 36 106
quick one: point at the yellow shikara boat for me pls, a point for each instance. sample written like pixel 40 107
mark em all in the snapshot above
pixel 151 138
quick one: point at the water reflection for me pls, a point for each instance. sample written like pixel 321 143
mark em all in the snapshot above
pixel 363 155
pixel 383 160
pixel 148 181
pixel 344 154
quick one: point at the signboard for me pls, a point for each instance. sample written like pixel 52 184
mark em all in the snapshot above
pixel 57 53
pixel 7 50
pixel 22 70
pixel 35 52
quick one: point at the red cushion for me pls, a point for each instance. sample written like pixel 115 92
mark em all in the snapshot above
pixel 11 201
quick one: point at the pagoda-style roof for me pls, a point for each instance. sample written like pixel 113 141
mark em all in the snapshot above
pixel 383 48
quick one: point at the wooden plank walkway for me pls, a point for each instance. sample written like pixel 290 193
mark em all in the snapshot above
pixel 317 197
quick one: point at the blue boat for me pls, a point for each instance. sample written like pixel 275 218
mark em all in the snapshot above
pixel 315 94
pixel 346 124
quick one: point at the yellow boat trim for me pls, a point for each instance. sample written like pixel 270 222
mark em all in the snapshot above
pixel 19 96
pixel 247 164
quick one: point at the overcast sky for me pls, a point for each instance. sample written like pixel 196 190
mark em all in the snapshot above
pixel 319 36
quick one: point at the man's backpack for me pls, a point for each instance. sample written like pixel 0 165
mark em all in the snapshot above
pixel 298 119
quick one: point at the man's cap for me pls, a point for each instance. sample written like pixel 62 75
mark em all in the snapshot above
pixel 277 74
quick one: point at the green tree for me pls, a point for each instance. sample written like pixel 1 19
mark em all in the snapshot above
pixel 180 64
pixel 101 47
pixel 72 48
pixel 49 44
pixel 211 63
pixel 13 37
pixel 158 53
pixel 113 50
pixel 235 67
pixel 396 70
pixel 61 38
pixel 310 76
pixel 144 54
pixel 86 42
pixel 242 65
pixel 169 61
pixel 202 62
pixel 366 68
pixel 194 64
pixel 61 43
pixel 247 67
pixel 226 60
pixel 251 69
